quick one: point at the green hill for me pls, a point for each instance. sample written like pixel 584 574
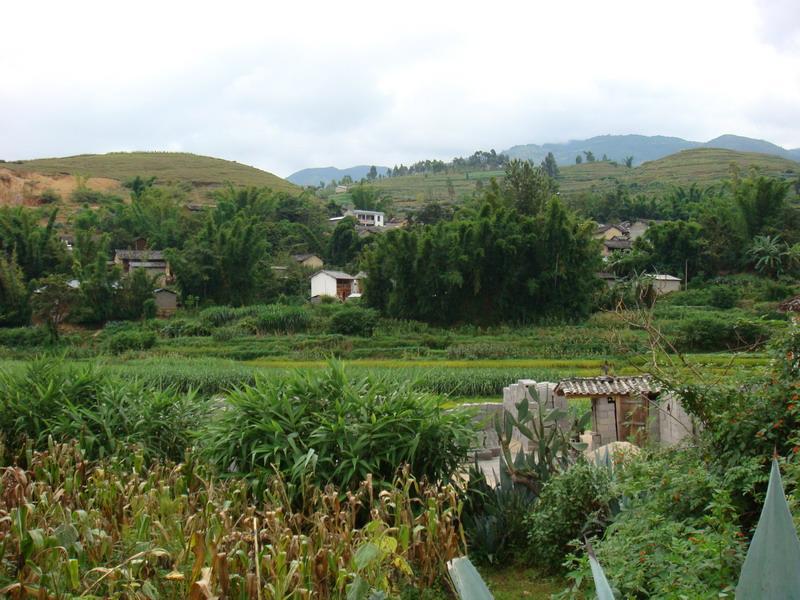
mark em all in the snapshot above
pixel 703 166
pixel 167 167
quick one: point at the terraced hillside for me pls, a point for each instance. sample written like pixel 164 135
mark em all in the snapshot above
pixel 703 166
pixel 201 172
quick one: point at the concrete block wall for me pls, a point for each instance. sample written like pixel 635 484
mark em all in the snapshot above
pixel 674 423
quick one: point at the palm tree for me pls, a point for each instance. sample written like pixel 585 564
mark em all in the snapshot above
pixel 767 254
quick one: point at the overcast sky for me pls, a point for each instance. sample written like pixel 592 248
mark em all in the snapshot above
pixel 303 84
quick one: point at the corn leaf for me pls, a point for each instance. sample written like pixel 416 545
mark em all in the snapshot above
pixel 771 569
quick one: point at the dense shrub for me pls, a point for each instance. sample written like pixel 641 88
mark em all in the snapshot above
pixel 130 340
pixel 723 296
pixel 354 320
pixel 216 316
pixel 49 196
pixel 324 427
pixel 101 412
pixel 173 328
pixel 279 318
pixel 574 504
pixel 23 337
pixel 713 332
pixel 775 291
pixel 677 535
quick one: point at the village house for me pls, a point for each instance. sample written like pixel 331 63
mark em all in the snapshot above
pixel 608 232
pixel 664 284
pixel 369 218
pixel 341 189
pixel 637 228
pixel 335 284
pixel 152 261
pixel 616 244
pixel 308 261
pixel 166 302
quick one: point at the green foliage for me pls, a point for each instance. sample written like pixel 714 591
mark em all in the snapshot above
pixel 52 301
pixel 493 266
pixel 102 413
pixel 573 505
pixel 14 297
pixel 320 428
pixel 123 341
pixel 49 196
pixel 714 332
pixel 723 296
pixel 354 320
pixel 23 337
pixel 37 249
pixel 675 535
pixel 278 318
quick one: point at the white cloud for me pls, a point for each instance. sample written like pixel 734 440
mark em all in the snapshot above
pixel 284 87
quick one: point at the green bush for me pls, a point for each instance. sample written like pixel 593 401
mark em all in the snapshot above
pixel 23 337
pixel 676 535
pixel 354 320
pixel 49 196
pixel 574 504
pixel 318 428
pixel 279 318
pixel 775 291
pixel 216 316
pixel 130 340
pixel 723 296
pixel 173 328
pixel 714 332
pixel 87 405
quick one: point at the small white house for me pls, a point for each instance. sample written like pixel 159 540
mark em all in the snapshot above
pixel 664 284
pixel 335 284
pixel 370 218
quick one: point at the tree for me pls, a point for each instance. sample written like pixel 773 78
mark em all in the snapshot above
pixel 366 197
pixel 14 298
pixel 526 187
pixel 98 282
pixel 762 201
pixel 671 246
pixel 550 166
pixel 372 175
pixel 589 155
pixel 137 185
pixel 578 159
pixel 52 302
pixel 629 161
pixel 344 244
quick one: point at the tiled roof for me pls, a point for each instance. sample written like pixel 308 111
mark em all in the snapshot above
pixel 606 386
pixel 618 244
pixel 790 305
pixel 139 254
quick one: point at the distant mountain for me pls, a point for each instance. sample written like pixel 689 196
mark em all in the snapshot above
pixel 314 176
pixel 643 148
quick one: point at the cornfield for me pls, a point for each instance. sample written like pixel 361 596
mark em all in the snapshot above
pixel 123 528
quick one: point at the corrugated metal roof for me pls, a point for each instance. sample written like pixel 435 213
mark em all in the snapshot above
pixel 334 274
pixel 607 386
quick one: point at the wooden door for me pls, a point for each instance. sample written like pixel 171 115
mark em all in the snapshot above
pixel 632 419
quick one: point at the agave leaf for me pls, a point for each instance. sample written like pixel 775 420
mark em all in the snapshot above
pixel 771 569
pixel 601 585
pixel 467 581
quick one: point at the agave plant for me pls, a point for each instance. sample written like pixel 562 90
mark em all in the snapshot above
pixel 771 569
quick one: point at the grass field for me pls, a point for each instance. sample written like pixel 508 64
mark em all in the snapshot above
pixel 703 166
pixel 167 167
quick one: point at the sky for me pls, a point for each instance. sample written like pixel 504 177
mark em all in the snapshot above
pixel 283 86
